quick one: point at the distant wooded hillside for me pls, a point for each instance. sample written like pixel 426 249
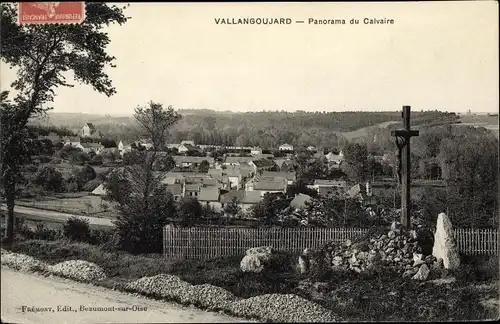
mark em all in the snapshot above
pixel 265 129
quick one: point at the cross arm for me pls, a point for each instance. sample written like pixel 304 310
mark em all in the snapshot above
pixel 404 133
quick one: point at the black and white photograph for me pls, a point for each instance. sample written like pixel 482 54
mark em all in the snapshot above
pixel 212 162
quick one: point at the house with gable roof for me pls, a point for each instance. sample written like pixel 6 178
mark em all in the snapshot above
pixel 291 177
pixel 300 201
pixel 92 147
pixel 210 196
pixel 246 199
pixel 89 130
pixel 267 185
pixel 73 141
pixel 262 165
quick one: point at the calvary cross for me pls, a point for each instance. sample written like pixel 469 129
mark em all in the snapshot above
pixel 403 142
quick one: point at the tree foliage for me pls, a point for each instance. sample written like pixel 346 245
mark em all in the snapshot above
pixel 355 163
pixel 49 179
pixel 190 211
pixel 154 122
pixel 144 203
pixel 232 208
pixel 271 205
pixel 43 54
pixel 77 229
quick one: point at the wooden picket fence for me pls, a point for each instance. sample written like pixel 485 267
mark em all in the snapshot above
pixel 206 243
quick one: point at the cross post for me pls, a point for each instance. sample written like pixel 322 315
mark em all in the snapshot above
pixel 403 142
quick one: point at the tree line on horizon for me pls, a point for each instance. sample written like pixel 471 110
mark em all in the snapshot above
pixel 268 129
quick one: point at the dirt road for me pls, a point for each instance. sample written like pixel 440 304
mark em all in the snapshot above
pixel 29 298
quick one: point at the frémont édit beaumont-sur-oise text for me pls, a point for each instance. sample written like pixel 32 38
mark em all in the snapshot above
pixel 310 21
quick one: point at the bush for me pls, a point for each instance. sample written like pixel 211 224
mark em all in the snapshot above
pixel 77 229
pixel 96 160
pixel 41 232
pixel 281 262
pixel 71 185
pixel 100 236
pixel 49 178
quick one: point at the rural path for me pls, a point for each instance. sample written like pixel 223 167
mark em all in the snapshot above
pixel 40 214
pixel 27 291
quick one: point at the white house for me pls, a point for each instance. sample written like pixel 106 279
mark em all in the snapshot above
pixel 146 143
pixel 172 146
pixel 238 160
pixel 256 151
pixel 192 161
pixel 321 183
pixel 73 141
pixel 183 148
pixel 92 147
pixel 286 147
pixel 124 147
pixel 335 158
pixel 188 143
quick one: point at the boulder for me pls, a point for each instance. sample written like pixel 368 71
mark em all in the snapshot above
pixel 262 252
pixel 251 263
pixel 302 264
pixel 260 258
pixel 445 247
pixel 422 273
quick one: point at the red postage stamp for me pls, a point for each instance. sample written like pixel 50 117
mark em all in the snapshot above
pixel 51 12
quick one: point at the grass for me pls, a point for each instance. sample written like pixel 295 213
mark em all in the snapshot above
pixel 79 205
pixel 355 298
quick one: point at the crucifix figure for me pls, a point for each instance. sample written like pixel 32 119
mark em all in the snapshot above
pixel 403 143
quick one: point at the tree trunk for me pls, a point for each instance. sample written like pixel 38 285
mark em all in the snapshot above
pixel 10 195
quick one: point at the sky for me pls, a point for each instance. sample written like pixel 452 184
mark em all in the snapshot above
pixel 436 55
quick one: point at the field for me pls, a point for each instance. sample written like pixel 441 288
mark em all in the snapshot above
pixel 83 205
pixel 488 122
pixel 365 130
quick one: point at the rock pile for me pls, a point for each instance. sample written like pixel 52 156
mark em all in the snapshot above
pixel 22 262
pixel 162 286
pixel 79 270
pixel 208 296
pixel 397 250
pixel 282 308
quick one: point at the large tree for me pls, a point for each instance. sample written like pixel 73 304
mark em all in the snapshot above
pixel 355 163
pixel 42 55
pixel 144 203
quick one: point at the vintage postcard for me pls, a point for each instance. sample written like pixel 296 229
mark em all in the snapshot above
pixel 249 162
